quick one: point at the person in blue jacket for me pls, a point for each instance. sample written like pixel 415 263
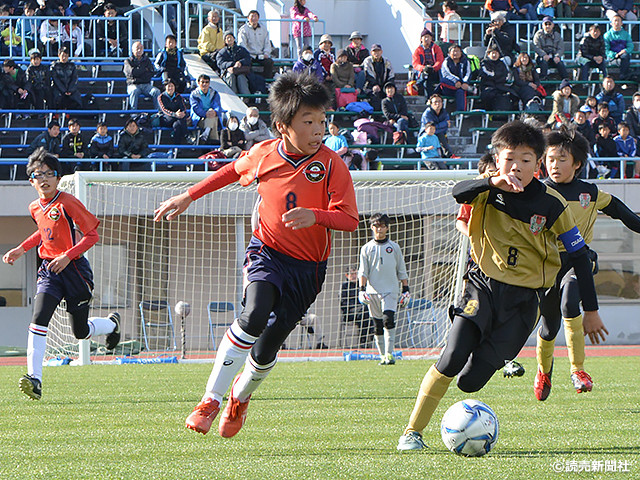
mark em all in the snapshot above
pixel 206 110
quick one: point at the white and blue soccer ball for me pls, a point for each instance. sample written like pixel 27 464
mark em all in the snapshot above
pixel 469 428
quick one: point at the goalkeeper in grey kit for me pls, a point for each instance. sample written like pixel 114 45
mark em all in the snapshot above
pixel 381 270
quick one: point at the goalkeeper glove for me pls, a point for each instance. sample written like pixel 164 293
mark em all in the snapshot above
pixel 405 297
pixel 363 297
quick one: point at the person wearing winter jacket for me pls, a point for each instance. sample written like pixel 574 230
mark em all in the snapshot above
pixel 170 62
pixel 101 144
pixel 614 99
pixel 255 38
pixel 173 112
pixel 308 64
pixel 139 72
pixel 623 8
pixel 525 80
pixel 356 53
pixel 565 104
pixel 427 61
pixel 632 116
pixel 549 48
pixel 234 63
pixel 378 71
pixel 618 47
pixel 591 53
pixel 394 108
pixel 232 141
pixel 254 128
pixel 64 78
pixel 436 114
pixel 132 143
pixel 501 34
pixel 495 93
pixel 454 77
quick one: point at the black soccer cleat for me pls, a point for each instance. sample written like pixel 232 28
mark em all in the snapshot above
pixel 513 369
pixel 31 387
pixel 113 339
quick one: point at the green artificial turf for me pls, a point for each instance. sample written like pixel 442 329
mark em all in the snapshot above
pixel 324 420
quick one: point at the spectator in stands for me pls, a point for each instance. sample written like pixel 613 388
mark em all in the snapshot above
pixel 73 38
pixel 211 40
pixel 335 141
pixel 526 83
pixel 254 128
pixel 502 35
pixel 565 105
pixel 11 44
pixel 495 93
pixel 51 36
pixel 512 9
pixel 437 115
pixel 592 53
pixel 356 53
pixel 51 8
pixel 64 78
pixel 301 30
pixel 584 127
pixel 255 38
pixel 111 35
pixel 455 75
pixel 73 146
pixel 549 47
pixel 603 118
pixel 28 29
pixel 13 86
pixel 618 47
pixel 39 81
pixel 173 112
pixel 232 141
pixel 170 62
pixel 234 63
pixel 394 108
pixel 308 64
pixel 591 108
pixel 546 8
pixel 450 32
pixel 79 8
pixel 50 140
pixel 626 147
pixel 378 72
pixel 429 148
pixel 606 147
pixel 427 61
pixel 632 116
pixel 342 72
pixel 139 72
pixel 206 110
pixel 352 310
pixel 325 56
pixel 565 8
pixel 132 143
pixel 622 8
pixel 614 99
pixel 101 144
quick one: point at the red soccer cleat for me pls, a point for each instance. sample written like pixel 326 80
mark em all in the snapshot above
pixel 202 416
pixel 542 385
pixel 234 415
pixel 581 381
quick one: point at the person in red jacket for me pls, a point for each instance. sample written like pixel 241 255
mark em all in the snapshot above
pixel 427 60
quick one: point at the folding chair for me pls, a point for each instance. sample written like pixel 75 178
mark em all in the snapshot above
pixel 421 322
pixel 157 325
pixel 216 311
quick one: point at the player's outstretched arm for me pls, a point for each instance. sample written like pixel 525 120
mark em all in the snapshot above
pixel 594 327
pixel 172 207
pixel 12 255
pixel 507 183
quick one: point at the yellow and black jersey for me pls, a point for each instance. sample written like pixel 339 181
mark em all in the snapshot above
pixel 585 199
pixel 514 236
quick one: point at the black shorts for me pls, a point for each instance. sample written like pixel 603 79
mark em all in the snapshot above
pixel 505 314
pixel 74 282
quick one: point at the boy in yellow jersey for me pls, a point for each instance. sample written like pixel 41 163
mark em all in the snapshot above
pixel 566 155
pixel 514 227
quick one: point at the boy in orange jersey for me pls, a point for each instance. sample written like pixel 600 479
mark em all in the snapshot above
pixel 305 191
pixel 64 273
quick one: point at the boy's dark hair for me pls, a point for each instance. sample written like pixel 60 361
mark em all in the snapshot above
pixel 603 125
pixel 64 50
pixel 603 106
pixel 9 62
pixel 516 133
pixel 42 157
pixel 332 123
pixel 73 121
pixel 486 161
pixel 52 123
pixel 101 124
pixel 380 218
pixel 571 141
pixel 594 26
pixel 623 125
pixel 170 36
pixel 253 11
pixel 129 121
pixel 203 76
pixel 307 48
pixel 290 92
pixel 450 4
pixel 109 6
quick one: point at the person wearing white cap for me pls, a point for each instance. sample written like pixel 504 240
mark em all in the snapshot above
pixel 356 53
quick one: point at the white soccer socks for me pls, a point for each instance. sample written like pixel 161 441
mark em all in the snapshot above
pixel 250 379
pixel 100 326
pixel 232 352
pixel 36 345
pixel 379 341
pixel 389 340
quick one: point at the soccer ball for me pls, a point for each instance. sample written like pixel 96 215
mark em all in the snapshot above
pixel 469 428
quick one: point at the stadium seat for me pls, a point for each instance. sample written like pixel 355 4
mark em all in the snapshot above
pixel 218 317
pixel 421 320
pixel 157 325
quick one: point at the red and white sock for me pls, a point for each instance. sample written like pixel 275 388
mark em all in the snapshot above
pixel 232 352
pixel 36 345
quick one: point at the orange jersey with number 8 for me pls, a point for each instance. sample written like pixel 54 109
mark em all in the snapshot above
pixel 320 181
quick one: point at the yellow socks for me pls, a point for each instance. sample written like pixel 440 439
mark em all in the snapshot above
pixel 544 354
pixel 574 333
pixel 433 387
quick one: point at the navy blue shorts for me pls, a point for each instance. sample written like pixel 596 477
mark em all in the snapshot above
pixel 74 282
pixel 298 281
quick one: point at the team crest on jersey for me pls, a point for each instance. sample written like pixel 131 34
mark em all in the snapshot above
pixel 315 172
pixel 537 223
pixel 54 214
pixel 389 250
pixel 585 200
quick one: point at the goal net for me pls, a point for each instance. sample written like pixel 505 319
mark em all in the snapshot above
pixel 143 268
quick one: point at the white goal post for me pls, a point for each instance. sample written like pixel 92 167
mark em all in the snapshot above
pixel 143 268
